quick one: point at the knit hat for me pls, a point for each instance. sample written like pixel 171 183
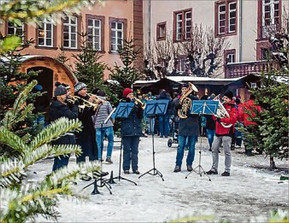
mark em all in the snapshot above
pixel 78 86
pixel 229 94
pixel 126 91
pixel 60 90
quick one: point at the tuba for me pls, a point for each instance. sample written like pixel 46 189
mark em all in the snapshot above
pixel 222 113
pixel 186 102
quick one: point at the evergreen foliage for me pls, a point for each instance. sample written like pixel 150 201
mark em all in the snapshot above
pixel 271 134
pixel 88 67
pixel 22 201
pixel 126 74
pixel 12 81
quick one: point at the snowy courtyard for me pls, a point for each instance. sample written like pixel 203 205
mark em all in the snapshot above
pixel 249 194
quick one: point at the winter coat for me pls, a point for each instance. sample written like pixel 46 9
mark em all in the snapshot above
pixel 86 138
pixel 222 131
pixel 164 96
pixel 58 110
pixel 102 114
pixel 189 126
pixel 131 126
pixel 247 111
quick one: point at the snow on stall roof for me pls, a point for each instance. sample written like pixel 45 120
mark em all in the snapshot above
pixel 190 78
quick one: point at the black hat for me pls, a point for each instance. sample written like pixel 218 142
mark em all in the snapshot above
pixel 79 86
pixel 229 94
pixel 60 90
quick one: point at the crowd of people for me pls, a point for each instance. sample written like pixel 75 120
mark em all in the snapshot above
pixel 94 111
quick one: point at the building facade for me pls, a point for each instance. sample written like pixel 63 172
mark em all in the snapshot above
pixel 244 24
pixel 106 24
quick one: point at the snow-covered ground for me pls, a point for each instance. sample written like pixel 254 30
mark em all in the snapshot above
pixel 248 194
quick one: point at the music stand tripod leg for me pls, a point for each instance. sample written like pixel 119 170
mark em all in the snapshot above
pixel 119 177
pixel 155 171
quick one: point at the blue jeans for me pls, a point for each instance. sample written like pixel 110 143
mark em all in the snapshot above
pixel 180 154
pixel 100 133
pixel 60 161
pixel 164 125
pixel 130 152
pixel 210 135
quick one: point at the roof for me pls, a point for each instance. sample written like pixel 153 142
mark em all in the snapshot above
pixel 25 58
pixel 194 80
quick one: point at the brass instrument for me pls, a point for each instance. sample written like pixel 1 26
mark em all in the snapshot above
pixel 222 113
pixel 186 102
pixel 73 98
pixel 138 101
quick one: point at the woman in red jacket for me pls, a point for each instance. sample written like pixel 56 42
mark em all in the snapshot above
pixel 224 135
pixel 247 112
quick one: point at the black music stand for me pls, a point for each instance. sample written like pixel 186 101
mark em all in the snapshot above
pixel 153 108
pixel 122 111
pixel 99 180
pixel 98 177
pixel 203 108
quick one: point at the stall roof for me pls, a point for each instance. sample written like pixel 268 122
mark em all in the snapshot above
pixel 204 80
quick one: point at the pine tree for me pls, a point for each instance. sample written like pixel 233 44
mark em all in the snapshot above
pixel 88 67
pixel 12 81
pixel 271 134
pixel 127 74
pixel 22 201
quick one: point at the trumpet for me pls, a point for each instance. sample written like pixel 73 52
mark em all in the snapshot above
pixel 97 100
pixel 73 98
pixel 138 101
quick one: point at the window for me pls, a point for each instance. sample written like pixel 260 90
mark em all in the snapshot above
pixel 230 56
pixel 265 53
pixel 182 25
pixel 94 33
pixel 226 17
pixel 161 31
pixel 70 24
pixel 13 29
pixel 45 33
pixel 270 17
pixel 117 33
pixel 182 64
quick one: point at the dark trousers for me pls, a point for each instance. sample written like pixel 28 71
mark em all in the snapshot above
pixel 61 161
pixel 130 152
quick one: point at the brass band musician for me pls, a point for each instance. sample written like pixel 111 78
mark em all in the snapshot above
pixel 86 138
pixel 188 126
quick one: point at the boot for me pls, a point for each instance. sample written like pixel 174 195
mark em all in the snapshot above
pixel 108 160
pixel 177 169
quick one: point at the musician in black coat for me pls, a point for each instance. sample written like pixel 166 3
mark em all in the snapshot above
pixel 130 132
pixel 58 109
pixel 188 133
pixel 86 138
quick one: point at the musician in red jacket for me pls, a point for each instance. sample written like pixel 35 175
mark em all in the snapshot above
pixel 224 132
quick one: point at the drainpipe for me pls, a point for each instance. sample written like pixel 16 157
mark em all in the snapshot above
pixel 149 24
pixel 240 31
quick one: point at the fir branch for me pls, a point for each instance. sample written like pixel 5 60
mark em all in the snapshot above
pixel 10 117
pixel 10 172
pixel 12 140
pixel 44 151
pixel 54 131
pixel 72 172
